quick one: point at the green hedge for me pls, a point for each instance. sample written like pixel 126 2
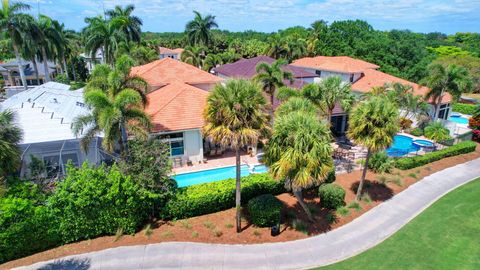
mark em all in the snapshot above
pixel 331 196
pixel 216 196
pixel 417 132
pixel 265 210
pixel 458 149
pixel 464 108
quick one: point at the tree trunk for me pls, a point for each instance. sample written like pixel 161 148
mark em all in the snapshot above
pixel 20 67
pixel 35 67
pixel 299 195
pixel 124 139
pixel 45 64
pixel 73 70
pixel 65 67
pixel 238 193
pixel 364 174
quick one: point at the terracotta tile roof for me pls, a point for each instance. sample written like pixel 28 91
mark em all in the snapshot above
pixel 176 106
pixel 343 64
pixel 178 50
pixel 164 50
pixel 371 78
pixel 164 71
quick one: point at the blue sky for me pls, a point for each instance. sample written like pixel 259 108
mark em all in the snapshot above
pixel 447 16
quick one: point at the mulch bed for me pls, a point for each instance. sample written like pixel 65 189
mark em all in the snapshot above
pixel 220 227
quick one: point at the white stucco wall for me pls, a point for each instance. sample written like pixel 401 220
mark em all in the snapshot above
pixel 325 73
pixel 193 144
pixel 171 55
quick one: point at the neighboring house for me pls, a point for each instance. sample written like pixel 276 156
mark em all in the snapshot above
pixel 363 76
pixel 246 69
pixel 45 115
pixel 90 61
pixel 176 100
pixel 170 53
pixel 11 74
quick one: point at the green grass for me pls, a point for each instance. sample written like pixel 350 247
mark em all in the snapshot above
pixel 445 236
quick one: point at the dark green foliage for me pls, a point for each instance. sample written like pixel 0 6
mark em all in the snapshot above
pixel 458 149
pixel 216 196
pixel 417 132
pixel 265 210
pixel 331 177
pixel 149 164
pixel 464 108
pixel 331 196
pixel 62 78
pixel 380 162
pixel 91 202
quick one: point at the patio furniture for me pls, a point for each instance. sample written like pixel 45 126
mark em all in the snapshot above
pixel 177 162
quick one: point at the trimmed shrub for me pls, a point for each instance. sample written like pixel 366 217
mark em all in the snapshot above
pixel 458 149
pixel 212 197
pixel 331 177
pixel 265 210
pixel 437 132
pixel 380 162
pixel 417 132
pixel 464 108
pixel 331 196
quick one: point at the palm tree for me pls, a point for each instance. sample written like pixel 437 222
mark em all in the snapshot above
pixel 10 136
pixel 117 102
pixel 211 61
pixel 49 40
pixel 272 77
pixel 299 152
pixel 193 55
pixel 104 36
pixel 199 29
pixel 130 25
pixel 441 80
pixel 437 132
pixel 296 48
pixel 235 118
pixel 295 104
pixel 332 91
pixel 373 123
pixel 16 24
pixel 276 47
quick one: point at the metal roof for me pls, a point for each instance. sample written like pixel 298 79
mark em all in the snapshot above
pixel 45 113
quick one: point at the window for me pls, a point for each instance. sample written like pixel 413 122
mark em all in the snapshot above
pixel 318 72
pixel 444 111
pixel 176 143
pixel 351 77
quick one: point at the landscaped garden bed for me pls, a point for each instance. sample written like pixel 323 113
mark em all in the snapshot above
pixel 219 227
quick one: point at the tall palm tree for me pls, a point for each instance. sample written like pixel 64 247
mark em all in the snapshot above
pixel 211 61
pixel 50 39
pixel 117 102
pixel 235 118
pixel 299 151
pixel 104 36
pixel 296 48
pixel 373 123
pixel 441 80
pixel 16 24
pixel 199 29
pixel 272 77
pixel 130 25
pixel 332 91
pixel 276 47
pixel 193 55
pixel 10 136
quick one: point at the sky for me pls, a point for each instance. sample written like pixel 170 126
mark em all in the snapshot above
pixel 446 16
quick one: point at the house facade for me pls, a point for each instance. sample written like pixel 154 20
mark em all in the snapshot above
pixel 363 76
pixel 170 53
pixel 45 114
pixel 91 62
pixel 11 74
pixel 176 100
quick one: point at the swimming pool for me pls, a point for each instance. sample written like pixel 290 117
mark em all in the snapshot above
pixel 206 176
pixel 459 119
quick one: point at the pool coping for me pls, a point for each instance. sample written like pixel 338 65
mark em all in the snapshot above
pixel 219 167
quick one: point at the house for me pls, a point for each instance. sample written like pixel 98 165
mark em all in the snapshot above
pixel 11 73
pixel 90 61
pixel 176 100
pixel 362 76
pixel 246 69
pixel 45 115
pixel 170 53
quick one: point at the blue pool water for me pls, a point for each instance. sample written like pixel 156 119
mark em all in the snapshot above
pixel 458 119
pixel 193 178
pixel 401 146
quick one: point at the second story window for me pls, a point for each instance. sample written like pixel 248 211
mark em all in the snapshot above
pixel 351 78
pixel 318 72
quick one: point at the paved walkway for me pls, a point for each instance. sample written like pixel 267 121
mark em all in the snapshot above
pixel 361 234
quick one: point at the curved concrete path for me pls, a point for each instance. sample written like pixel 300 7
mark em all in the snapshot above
pixel 359 235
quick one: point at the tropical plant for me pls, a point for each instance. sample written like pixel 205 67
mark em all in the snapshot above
pixel 276 47
pixel 332 91
pixel 235 118
pixel 49 40
pixel 117 100
pixel 211 61
pixel 104 36
pixel 296 104
pixel 10 137
pixel 199 31
pixel 373 123
pixel 193 55
pixel 437 132
pixel 272 77
pixel 441 80
pixel 16 25
pixel 129 24
pixel 299 152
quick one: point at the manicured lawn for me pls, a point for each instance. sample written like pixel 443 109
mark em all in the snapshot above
pixel 445 236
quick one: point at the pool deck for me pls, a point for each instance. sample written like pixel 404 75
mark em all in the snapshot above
pixel 227 159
